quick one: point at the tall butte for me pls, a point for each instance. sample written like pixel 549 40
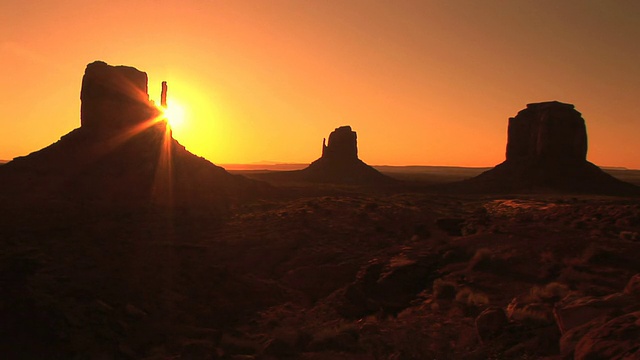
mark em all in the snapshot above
pixel 547 150
pixel 339 162
pixel 122 153
pixel 114 98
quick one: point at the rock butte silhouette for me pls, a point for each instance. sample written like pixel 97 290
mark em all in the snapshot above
pixel 123 153
pixel 339 162
pixel 547 150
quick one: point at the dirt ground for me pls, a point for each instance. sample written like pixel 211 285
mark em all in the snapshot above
pixel 325 273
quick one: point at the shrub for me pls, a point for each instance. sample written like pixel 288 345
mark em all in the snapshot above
pixel 481 259
pixel 551 292
pixel 469 297
pixel 444 289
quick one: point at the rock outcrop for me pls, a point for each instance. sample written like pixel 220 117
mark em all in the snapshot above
pixel 339 162
pixel 547 131
pixel 547 151
pixel 123 153
pixel 606 327
pixel 114 98
pixel 343 145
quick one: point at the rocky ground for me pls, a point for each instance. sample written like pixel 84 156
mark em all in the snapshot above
pixel 327 273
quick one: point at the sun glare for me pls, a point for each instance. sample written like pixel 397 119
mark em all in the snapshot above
pixel 175 115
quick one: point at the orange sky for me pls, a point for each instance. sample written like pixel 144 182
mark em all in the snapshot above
pixel 422 82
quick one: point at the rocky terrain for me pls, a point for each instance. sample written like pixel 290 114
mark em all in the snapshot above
pixel 342 275
pixel 116 243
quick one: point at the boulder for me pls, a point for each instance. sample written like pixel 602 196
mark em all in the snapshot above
pixel 573 312
pixel 570 338
pixel 618 338
pixel 633 286
pixel 490 323
pixel 388 286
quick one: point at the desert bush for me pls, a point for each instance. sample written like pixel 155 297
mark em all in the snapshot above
pixel 472 298
pixel 531 313
pixel 481 258
pixel 600 255
pixel 340 337
pixel 551 292
pixel 444 289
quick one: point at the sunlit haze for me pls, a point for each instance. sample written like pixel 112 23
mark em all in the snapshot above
pixel 422 82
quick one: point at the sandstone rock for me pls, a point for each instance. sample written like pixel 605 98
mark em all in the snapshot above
pixel 339 162
pixel 490 323
pixel 118 157
pixel 389 286
pixel 343 145
pixel 319 281
pixel 114 98
pixel 547 130
pixel 633 286
pixel 163 95
pixel 452 226
pixel 546 150
pixel 573 312
pixel 570 338
pixel 618 338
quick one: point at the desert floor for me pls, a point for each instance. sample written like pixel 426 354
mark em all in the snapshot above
pixel 325 273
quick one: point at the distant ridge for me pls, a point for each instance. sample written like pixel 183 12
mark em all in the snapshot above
pixel 265 166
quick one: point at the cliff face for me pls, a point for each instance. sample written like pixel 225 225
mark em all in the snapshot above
pixel 547 131
pixel 114 98
pixel 343 145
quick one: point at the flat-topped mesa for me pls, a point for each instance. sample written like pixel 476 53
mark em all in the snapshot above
pixel 343 145
pixel 114 98
pixel 547 131
pixel 547 151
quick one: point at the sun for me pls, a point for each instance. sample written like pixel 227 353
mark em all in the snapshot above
pixel 175 115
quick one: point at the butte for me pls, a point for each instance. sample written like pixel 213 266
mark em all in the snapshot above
pixel 123 154
pixel 547 152
pixel 338 164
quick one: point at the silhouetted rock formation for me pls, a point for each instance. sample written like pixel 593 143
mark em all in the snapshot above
pixel 549 130
pixel 343 145
pixel 546 150
pixel 114 98
pixel 339 162
pixel 163 95
pixel 123 153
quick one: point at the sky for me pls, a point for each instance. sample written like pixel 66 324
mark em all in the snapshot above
pixel 422 82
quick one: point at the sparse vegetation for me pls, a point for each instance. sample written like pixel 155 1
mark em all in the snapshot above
pixel 551 292
pixel 532 313
pixel 473 298
pixel 443 289
pixel 481 259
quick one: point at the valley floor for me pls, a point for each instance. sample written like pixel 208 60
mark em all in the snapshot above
pixel 324 274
